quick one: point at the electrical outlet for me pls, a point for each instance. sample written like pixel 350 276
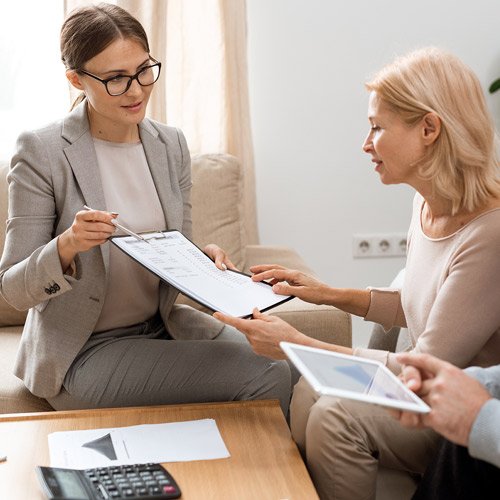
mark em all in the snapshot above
pixel 379 245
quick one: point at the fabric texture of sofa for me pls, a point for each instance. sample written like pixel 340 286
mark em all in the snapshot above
pixel 217 199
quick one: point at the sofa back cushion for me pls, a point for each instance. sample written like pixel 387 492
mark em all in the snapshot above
pixel 217 199
pixel 8 315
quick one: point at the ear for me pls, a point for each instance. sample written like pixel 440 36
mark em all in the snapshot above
pixel 74 79
pixel 431 128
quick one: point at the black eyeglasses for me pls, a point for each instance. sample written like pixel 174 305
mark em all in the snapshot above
pixel 119 84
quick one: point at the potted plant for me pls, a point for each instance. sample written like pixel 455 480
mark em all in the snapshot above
pixel 495 86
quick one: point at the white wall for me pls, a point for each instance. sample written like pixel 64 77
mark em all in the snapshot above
pixel 308 60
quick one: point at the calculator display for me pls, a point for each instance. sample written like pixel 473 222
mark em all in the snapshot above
pixel 70 485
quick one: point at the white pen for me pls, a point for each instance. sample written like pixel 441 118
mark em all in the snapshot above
pixel 123 228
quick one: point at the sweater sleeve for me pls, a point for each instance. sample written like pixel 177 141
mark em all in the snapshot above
pixel 385 308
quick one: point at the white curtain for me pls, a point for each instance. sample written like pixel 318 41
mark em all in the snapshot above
pixel 204 89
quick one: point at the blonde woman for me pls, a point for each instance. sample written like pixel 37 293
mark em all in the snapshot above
pixel 430 129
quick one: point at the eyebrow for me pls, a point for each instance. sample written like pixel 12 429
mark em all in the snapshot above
pixel 124 70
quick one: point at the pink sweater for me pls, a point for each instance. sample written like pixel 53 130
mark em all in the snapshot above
pixel 450 300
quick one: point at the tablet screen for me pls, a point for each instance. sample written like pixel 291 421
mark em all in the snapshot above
pixel 352 377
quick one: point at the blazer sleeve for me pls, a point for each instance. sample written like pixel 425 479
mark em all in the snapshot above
pixel 185 184
pixel 30 269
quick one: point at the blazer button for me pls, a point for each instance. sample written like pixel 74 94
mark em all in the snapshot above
pixel 48 291
pixel 56 287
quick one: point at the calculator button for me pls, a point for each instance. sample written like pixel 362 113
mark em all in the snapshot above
pixel 169 489
pixel 154 490
pixel 142 491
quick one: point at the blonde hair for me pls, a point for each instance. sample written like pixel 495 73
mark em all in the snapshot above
pixel 462 163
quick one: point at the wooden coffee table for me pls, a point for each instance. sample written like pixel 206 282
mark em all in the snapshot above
pixel 264 463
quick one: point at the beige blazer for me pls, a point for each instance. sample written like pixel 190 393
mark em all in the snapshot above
pixel 53 174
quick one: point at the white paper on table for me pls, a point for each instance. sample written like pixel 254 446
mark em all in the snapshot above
pixel 170 442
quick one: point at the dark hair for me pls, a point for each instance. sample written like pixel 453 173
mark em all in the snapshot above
pixel 87 31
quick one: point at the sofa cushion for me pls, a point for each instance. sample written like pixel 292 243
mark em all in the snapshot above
pixel 217 199
pixel 14 397
pixel 8 315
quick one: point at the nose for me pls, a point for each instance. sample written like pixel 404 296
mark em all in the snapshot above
pixel 367 143
pixel 135 88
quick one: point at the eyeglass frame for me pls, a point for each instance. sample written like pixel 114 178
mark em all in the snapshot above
pixel 130 77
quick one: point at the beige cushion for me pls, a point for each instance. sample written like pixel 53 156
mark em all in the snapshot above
pixel 14 397
pixel 8 315
pixel 218 218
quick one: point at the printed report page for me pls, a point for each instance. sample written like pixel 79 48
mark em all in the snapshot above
pixel 173 257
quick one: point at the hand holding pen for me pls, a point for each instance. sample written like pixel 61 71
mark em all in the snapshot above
pixel 90 228
pixel 119 226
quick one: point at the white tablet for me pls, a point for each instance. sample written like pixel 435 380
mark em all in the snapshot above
pixel 352 377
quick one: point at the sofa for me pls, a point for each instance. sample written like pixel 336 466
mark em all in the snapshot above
pixel 217 218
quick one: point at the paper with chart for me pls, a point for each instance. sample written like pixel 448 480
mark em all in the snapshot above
pixel 169 442
pixel 178 261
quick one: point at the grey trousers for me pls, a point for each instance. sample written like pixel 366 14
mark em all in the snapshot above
pixel 142 365
pixel 345 441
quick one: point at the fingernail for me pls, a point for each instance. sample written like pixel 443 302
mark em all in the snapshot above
pixel 224 266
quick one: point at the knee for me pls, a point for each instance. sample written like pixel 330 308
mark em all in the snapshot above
pixel 303 399
pixel 332 427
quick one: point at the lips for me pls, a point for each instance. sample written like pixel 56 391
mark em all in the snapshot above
pixel 136 106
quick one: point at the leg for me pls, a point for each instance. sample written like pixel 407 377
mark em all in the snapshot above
pixel 453 473
pixel 303 398
pixel 150 368
pixel 345 441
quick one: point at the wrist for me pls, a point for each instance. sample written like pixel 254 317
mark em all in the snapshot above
pixel 66 249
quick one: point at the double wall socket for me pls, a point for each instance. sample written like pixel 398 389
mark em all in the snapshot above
pixel 378 245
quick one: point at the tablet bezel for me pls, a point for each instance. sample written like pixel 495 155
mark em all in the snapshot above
pixel 419 406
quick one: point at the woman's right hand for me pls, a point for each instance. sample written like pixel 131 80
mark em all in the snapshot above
pixel 290 282
pixel 90 228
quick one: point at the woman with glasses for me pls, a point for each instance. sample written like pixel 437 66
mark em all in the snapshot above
pixel 102 331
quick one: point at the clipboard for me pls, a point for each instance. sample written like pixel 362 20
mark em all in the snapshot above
pixel 177 261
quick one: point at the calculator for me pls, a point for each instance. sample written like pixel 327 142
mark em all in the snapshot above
pixel 133 482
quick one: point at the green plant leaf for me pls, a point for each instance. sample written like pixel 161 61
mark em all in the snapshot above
pixel 495 86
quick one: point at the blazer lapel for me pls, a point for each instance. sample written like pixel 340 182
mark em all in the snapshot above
pixel 83 161
pixel 156 155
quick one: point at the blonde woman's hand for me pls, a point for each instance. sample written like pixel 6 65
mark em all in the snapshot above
pixel 290 282
pixel 264 333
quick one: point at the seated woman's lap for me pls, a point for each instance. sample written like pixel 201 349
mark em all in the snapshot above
pixel 149 368
pixel 345 441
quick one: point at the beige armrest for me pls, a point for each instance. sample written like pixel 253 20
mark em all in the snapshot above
pixel 324 323
pixel 259 254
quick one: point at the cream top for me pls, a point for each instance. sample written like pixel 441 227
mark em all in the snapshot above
pixel 132 292
pixel 450 299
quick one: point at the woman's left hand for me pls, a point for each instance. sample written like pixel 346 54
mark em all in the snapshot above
pixel 264 333
pixel 222 261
